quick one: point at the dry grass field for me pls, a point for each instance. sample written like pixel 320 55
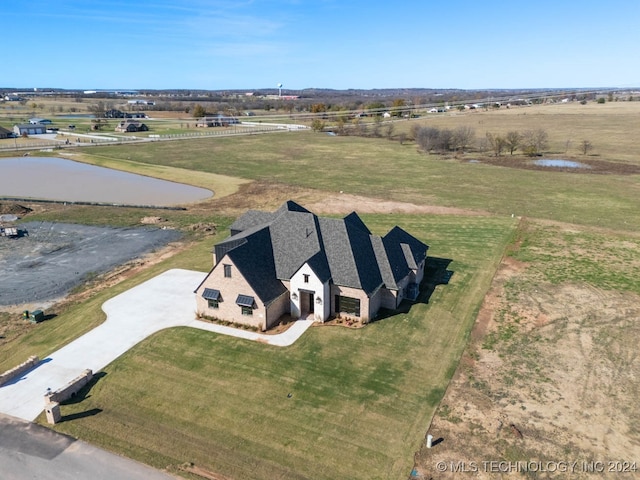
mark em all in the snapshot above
pixel 550 373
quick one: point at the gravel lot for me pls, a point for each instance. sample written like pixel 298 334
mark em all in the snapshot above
pixel 55 257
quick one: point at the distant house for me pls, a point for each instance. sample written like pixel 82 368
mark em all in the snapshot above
pixel 4 133
pixel 113 113
pixel 293 262
pixel 140 102
pixel 131 126
pixel 43 121
pixel 29 129
pixel 216 121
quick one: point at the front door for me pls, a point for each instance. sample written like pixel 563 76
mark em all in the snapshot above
pixel 306 303
pixel 311 302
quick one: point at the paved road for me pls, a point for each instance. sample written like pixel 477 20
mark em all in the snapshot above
pixel 162 302
pixel 29 451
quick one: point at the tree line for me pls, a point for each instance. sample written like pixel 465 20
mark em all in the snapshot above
pixel 458 140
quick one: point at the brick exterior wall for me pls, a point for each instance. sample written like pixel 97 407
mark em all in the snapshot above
pixel 229 289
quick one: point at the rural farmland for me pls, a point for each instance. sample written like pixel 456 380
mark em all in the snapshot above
pixel 523 334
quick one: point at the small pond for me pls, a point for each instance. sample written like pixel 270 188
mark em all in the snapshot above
pixel 50 178
pixel 559 163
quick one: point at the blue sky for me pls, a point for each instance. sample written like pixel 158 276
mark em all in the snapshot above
pixel 219 44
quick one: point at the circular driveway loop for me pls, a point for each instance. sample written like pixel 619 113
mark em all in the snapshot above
pixel 164 301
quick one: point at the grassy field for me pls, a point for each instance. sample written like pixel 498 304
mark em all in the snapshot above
pixel 380 168
pixel 361 399
pixel 607 126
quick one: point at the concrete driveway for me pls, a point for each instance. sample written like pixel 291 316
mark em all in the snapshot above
pixel 162 302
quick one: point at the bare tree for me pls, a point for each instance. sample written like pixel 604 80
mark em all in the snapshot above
pixel 535 141
pixel 496 143
pixel 462 138
pixel 388 130
pixel 512 140
pixel 98 109
pixel 585 147
pixel 444 142
pixel 427 138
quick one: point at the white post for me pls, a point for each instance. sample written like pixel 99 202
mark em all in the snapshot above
pixel 429 440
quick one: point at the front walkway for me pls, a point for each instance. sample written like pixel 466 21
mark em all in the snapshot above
pixel 162 302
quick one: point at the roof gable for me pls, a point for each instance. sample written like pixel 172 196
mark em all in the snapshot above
pixel 295 240
pixel 350 254
pixel 255 263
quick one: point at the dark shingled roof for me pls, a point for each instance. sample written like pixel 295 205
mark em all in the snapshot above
pixel 269 247
pixel 254 260
pixel 250 219
pixel 404 252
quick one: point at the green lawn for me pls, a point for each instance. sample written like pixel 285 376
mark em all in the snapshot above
pixel 361 399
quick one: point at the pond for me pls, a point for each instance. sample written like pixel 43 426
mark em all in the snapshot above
pixel 50 178
pixel 559 163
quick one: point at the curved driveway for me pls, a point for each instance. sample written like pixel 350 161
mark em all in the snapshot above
pixel 164 301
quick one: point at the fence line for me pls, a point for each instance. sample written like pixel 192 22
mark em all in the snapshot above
pixel 248 129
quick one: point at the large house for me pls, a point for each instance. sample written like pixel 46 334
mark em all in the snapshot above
pixel 293 262
pixel 216 121
pixel 131 126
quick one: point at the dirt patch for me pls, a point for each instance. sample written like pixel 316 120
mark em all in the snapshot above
pixel 550 375
pixel 345 203
pixel 261 195
pixel 595 166
pixel 152 220
pixel 10 208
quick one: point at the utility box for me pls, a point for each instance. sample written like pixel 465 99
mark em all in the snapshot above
pixel 36 316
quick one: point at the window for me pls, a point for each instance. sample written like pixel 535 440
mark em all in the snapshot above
pixel 348 305
pixel 212 296
pixel 247 311
pixel 227 271
pixel 306 277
